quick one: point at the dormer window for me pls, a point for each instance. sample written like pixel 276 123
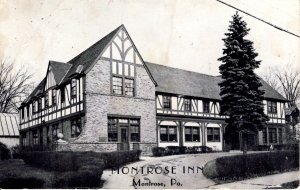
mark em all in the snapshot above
pixel 73 88
pixel 54 100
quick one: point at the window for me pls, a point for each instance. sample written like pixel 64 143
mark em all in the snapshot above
pixel 40 104
pixel 272 107
pixel 47 99
pixel 24 139
pixel 205 106
pixel 73 88
pixel 168 133
pixel 62 95
pixel 54 100
pixel 55 131
pixel 272 135
pixel 129 87
pixel 213 134
pixel 35 137
pixel 167 102
pixel 265 136
pixel 33 106
pixel 75 127
pixel 112 130
pixel 27 109
pixel 117 85
pixel 192 134
pixel 133 125
pixel 187 104
pixel 22 113
pixel 280 135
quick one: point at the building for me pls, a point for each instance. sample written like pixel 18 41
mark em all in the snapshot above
pixel 9 129
pixel 107 98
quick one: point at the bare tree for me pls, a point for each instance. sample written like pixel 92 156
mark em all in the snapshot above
pixel 14 86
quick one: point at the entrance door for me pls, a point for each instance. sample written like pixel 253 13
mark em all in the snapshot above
pixel 124 138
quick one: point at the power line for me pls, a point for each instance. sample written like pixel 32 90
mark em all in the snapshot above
pixel 259 19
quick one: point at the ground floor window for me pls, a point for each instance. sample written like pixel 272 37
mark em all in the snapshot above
pixel 120 129
pixel 213 134
pixel 192 134
pixel 265 136
pixel 75 127
pixel 35 137
pixel 272 135
pixel 24 139
pixel 168 133
pixel 280 135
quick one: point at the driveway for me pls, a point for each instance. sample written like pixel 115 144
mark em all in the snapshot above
pixel 178 171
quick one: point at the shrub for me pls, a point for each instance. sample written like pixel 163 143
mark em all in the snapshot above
pixel 117 159
pixel 252 164
pixel 21 183
pixel 4 152
pixel 158 151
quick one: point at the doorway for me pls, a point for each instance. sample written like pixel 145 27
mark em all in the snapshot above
pixel 124 138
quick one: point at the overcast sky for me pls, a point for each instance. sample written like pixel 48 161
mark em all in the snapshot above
pixel 183 34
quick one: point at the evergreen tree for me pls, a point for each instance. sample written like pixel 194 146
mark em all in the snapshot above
pixel 241 96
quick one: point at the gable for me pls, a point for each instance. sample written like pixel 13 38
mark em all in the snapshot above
pixel 122 48
pixel 50 81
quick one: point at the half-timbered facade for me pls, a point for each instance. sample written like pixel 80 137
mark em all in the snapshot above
pixel 107 98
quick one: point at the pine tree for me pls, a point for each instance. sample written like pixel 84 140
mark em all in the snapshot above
pixel 241 96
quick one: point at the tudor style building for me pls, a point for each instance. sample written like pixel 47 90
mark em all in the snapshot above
pixel 107 98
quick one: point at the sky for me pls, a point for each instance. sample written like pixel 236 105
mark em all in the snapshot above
pixel 182 34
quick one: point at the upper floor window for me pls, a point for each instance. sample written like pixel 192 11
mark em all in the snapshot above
pixel 73 88
pixel 167 102
pixel 40 104
pixel 75 127
pixel 47 99
pixel 213 134
pixel 62 95
pixel 33 106
pixel 54 100
pixel 117 85
pixel 272 107
pixel 187 104
pixel 22 113
pixel 123 75
pixel 205 106
pixel 27 109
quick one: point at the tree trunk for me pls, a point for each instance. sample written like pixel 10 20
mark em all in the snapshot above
pixel 245 139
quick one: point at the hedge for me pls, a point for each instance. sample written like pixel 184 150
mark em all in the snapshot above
pixel 78 169
pixel 243 166
pixel 4 152
pixel 173 150
pixel 22 183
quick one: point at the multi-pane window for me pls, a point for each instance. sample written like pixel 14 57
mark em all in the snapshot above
pixel 205 106
pixel 117 85
pixel 40 104
pixel 62 95
pixel 192 134
pixel 112 130
pixel 75 127
pixel 272 135
pixel 280 135
pixel 264 131
pixel 73 88
pixel 129 87
pixel 55 131
pixel 47 99
pixel 54 100
pixel 114 125
pixel 213 134
pixel 187 104
pixel 167 102
pixel 168 133
pixel 35 137
pixel 33 106
pixel 272 107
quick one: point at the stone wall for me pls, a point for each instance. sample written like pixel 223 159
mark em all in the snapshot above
pixel 100 103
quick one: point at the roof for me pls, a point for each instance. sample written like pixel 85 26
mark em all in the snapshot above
pixel 178 81
pixel 36 91
pixel 59 70
pixel 87 57
pixel 9 125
